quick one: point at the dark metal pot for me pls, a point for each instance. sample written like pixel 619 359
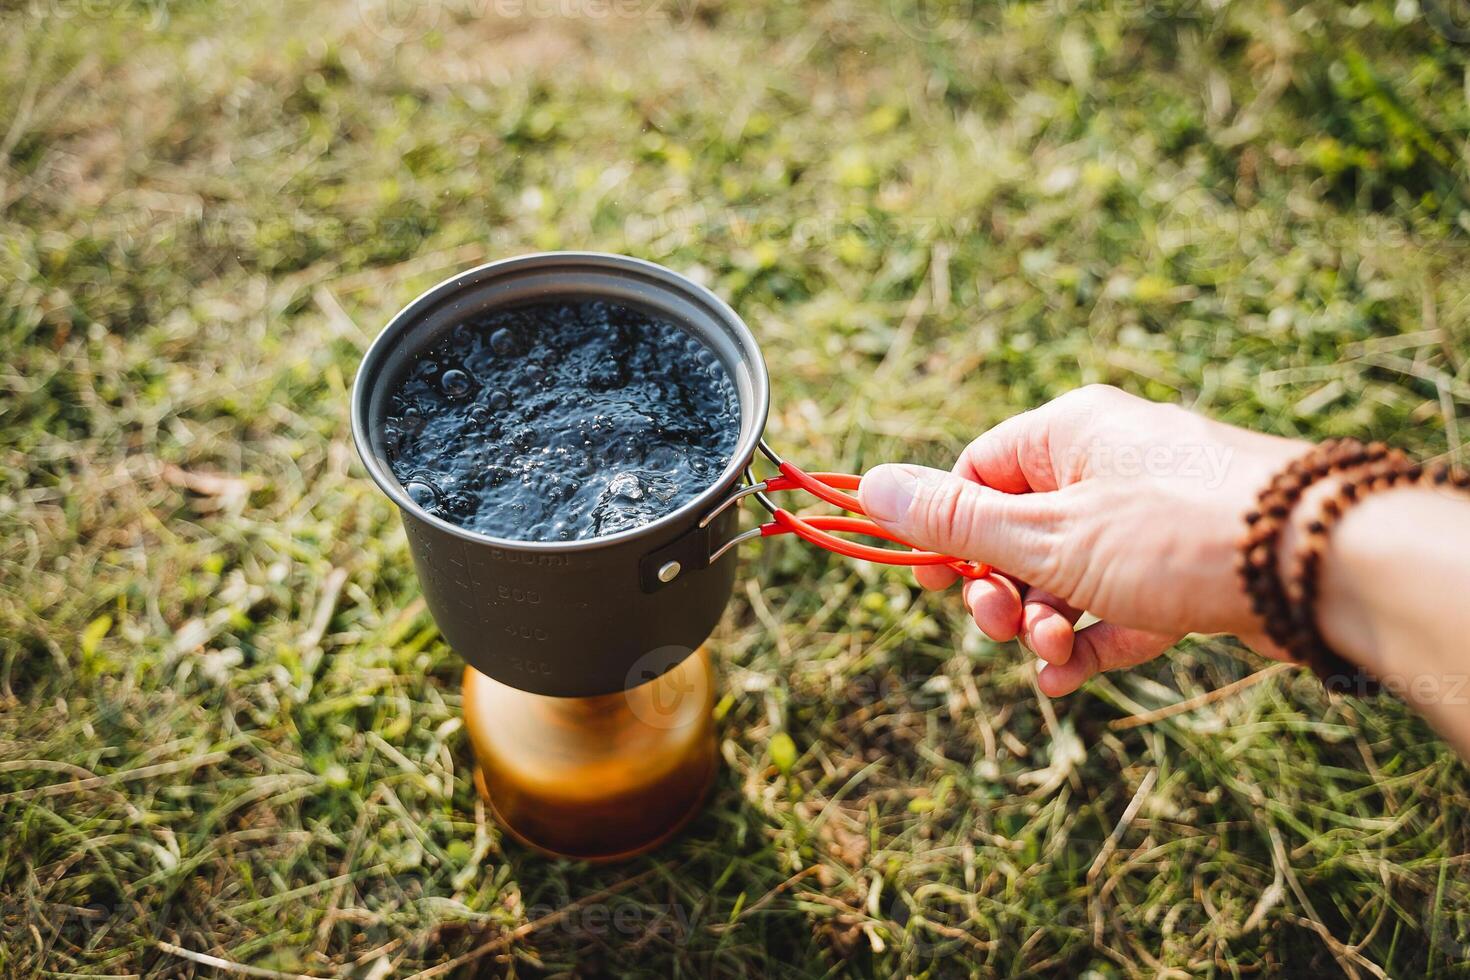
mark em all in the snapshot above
pixel 573 618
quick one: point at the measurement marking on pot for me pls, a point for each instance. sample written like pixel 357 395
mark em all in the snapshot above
pixel 469 596
pixel 531 666
pixel 520 558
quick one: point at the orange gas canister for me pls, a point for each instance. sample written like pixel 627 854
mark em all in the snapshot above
pixel 597 778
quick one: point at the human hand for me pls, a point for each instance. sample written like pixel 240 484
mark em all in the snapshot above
pixel 1097 501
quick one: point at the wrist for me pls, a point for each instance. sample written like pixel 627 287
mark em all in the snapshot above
pixel 1263 458
pixel 1391 569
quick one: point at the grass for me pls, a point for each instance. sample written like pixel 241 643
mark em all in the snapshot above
pixel 228 732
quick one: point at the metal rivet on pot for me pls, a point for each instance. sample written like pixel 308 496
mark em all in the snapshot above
pixel 669 571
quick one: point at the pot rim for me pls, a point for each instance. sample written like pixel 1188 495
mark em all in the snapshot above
pixel 369 375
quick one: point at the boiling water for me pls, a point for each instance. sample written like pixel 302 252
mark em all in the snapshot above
pixel 561 421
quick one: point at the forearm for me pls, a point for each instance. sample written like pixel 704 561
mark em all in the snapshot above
pixel 1394 598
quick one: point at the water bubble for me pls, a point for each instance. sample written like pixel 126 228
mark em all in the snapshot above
pixel 596 313
pixel 626 485
pixel 459 504
pixel 456 383
pixel 662 488
pixel 411 421
pixel 605 377
pixel 503 342
pixel 497 400
pixel 423 493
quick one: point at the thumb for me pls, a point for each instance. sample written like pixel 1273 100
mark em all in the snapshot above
pixel 938 511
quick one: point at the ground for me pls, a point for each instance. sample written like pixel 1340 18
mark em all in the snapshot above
pixel 228 731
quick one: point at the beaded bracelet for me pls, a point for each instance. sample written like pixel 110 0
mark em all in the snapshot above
pixel 1289 615
pixel 1257 562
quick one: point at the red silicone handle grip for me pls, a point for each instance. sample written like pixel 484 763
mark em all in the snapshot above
pixel 812 530
pixel 829 487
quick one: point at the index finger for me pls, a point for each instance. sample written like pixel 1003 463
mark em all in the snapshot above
pixel 1037 450
pixel 1012 456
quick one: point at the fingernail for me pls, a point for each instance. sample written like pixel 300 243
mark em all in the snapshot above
pixel 887 491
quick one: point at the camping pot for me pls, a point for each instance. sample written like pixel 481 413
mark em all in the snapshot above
pixel 602 615
pixel 569 618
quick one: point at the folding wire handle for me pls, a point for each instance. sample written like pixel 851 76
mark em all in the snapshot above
pixel 831 488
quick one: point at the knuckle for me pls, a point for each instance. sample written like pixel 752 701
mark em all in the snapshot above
pixel 1062 539
pixel 1094 394
pixel 949 511
pixel 1055 555
pixel 1080 412
pixel 1049 572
